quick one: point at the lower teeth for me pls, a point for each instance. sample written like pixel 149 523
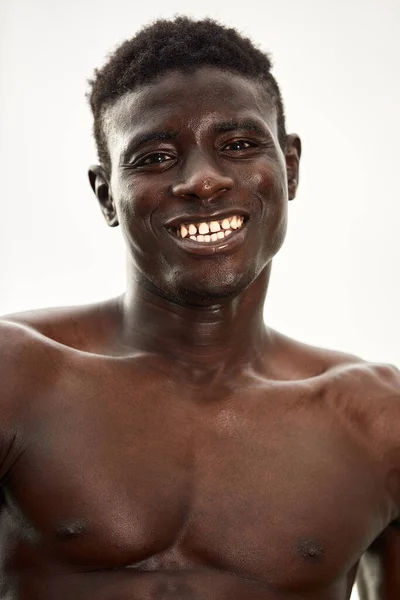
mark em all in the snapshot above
pixel 208 238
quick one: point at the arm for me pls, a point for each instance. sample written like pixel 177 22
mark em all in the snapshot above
pixel 378 576
pixel 13 380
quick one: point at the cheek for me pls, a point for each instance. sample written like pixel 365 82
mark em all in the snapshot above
pixel 135 203
pixel 270 186
pixel 126 192
pixel 275 182
pixel 273 194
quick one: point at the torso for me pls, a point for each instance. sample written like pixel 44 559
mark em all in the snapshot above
pixel 130 478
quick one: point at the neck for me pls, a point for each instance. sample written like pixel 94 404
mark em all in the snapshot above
pixel 222 336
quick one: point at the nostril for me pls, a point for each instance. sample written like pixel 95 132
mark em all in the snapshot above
pixel 202 187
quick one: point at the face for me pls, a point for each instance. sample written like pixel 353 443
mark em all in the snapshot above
pixel 198 182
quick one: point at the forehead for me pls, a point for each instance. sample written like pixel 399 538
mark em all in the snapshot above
pixel 191 101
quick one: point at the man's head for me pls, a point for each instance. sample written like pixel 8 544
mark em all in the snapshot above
pixel 190 129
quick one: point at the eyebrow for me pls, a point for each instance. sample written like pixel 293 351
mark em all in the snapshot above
pixel 232 125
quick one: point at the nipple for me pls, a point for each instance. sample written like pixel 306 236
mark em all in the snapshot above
pixel 310 550
pixel 71 529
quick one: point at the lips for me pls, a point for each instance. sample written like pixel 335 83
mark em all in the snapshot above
pixel 211 231
pixel 208 245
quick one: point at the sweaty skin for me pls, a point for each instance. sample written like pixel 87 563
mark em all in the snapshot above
pixel 167 444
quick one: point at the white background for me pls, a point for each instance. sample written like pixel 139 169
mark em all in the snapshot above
pixel 336 281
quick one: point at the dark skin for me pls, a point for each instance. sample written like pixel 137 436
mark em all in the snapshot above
pixel 167 444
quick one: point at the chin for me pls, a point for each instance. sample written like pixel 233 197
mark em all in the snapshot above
pixel 210 290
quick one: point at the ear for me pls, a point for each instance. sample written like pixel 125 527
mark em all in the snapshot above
pixel 100 185
pixel 292 156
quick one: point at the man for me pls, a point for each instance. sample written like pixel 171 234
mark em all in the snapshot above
pixel 167 444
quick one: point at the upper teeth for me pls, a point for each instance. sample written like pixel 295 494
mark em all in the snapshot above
pixel 218 229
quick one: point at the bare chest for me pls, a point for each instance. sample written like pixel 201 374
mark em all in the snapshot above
pixel 253 482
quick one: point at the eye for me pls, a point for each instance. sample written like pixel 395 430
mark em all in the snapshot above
pixel 238 145
pixel 157 158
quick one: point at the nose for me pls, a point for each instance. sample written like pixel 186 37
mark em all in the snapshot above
pixel 201 180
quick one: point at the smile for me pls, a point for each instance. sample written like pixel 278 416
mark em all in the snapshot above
pixel 211 231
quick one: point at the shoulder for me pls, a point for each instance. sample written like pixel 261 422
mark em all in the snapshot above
pixel 23 353
pixel 19 369
pixel 302 361
pixel 35 347
pixel 314 361
pixel 369 391
pixel 377 383
pixel 15 343
pixel 365 395
pixel 366 398
pixel 37 350
pixel 29 366
pixel 78 327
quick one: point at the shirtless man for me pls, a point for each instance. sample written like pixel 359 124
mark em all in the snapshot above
pixel 166 444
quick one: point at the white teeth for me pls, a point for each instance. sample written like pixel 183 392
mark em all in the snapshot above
pixel 201 232
pixel 203 228
pixel 225 224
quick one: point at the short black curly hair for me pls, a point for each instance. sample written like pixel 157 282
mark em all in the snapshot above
pixel 178 44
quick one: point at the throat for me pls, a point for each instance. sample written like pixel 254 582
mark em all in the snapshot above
pixel 205 337
pixel 226 333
